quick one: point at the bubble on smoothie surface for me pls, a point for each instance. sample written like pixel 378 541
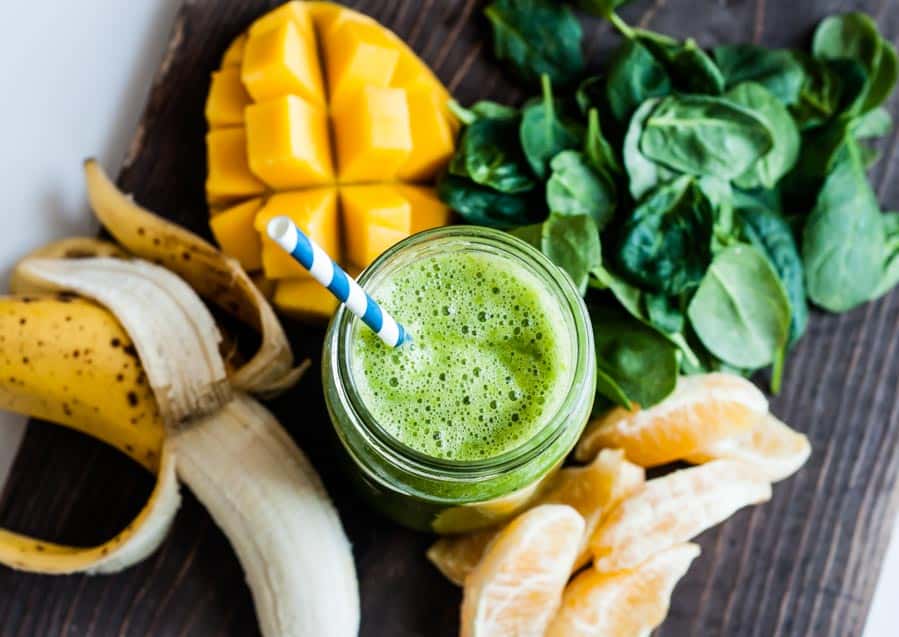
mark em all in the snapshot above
pixel 489 364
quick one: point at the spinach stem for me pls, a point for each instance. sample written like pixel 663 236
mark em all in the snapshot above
pixel 621 25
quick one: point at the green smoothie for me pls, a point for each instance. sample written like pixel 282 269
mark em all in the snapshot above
pixel 489 366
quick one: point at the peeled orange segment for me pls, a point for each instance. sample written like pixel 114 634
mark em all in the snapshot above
pixel 625 603
pixel 702 410
pixel 673 509
pixel 592 491
pixel 517 587
pixel 771 447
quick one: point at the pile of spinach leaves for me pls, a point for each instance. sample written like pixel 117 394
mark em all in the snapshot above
pixel 699 199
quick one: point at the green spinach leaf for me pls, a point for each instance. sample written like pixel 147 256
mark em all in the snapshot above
pixel 768 170
pixel 890 276
pixel 485 206
pixel 545 131
pixel 665 312
pixel 691 68
pixel 830 88
pixel 489 155
pixel 634 76
pixel 483 108
pixel 777 70
pixel 598 149
pixel 740 311
pixel 640 363
pixel 569 241
pixel 874 123
pixel 537 37
pixel 704 135
pixel 665 243
pixel 575 188
pixel 770 234
pixel 643 173
pixel 600 7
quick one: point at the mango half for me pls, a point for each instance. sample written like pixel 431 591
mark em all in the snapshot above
pixel 320 113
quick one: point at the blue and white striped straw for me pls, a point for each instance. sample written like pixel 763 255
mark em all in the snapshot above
pixel 309 254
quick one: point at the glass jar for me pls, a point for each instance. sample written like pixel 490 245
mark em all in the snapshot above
pixel 451 496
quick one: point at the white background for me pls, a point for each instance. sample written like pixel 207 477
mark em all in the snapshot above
pixel 76 75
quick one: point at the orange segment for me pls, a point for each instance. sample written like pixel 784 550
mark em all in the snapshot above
pixel 702 410
pixel 673 509
pixel 625 603
pixel 771 447
pixel 592 491
pixel 517 587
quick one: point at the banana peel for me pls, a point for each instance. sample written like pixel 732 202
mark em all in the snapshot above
pixel 155 388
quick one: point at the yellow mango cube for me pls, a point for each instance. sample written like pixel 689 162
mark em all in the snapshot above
pixel 235 233
pixel 432 138
pixel 234 53
pixel 229 175
pixel 227 99
pixel 295 12
pixel 356 57
pixel 288 143
pixel 315 213
pixel 304 299
pixel 428 211
pixel 374 218
pixel 374 138
pixel 282 61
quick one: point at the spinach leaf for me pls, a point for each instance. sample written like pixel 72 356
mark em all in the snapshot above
pixel 740 311
pixel 537 37
pixel 854 36
pixel 843 239
pixel 569 241
pixel 890 276
pixel 704 135
pixel 598 149
pixel 874 123
pixel 665 312
pixel 831 87
pixel 575 188
pixel 644 174
pixel 600 7
pixel 489 155
pixel 640 362
pixel 488 207
pixel 634 76
pixel 768 170
pixel 483 108
pixel 590 93
pixel 665 243
pixel 690 68
pixel 777 70
pixel 770 234
pixel 545 132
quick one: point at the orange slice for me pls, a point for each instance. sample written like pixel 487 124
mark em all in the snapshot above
pixel 591 491
pixel 673 509
pixel 517 587
pixel 625 603
pixel 771 447
pixel 702 410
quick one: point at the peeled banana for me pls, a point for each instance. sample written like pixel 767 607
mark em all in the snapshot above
pixel 124 351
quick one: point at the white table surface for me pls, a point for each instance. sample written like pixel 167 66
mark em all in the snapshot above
pixel 77 74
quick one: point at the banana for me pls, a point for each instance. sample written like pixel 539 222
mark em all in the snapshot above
pixel 175 335
pixel 69 361
pixel 212 275
pixel 138 374
pixel 266 497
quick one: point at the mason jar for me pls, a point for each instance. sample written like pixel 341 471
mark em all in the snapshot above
pixel 439 494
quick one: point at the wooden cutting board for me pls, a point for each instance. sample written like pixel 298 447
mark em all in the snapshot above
pixel 806 563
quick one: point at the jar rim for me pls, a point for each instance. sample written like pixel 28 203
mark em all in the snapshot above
pixel 425 466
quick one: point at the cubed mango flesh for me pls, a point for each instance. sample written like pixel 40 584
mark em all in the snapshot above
pixel 304 299
pixel 234 53
pixel 288 143
pixel 236 234
pixel 355 58
pixel 227 98
pixel 374 138
pixel 428 211
pixel 282 61
pixel 374 218
pixel 433 141
pixel 294 11
pixel 315 213
pixel 228 171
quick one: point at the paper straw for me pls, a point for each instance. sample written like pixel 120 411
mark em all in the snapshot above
pixel 309 254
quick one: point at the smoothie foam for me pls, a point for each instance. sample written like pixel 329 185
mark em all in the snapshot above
pixel 490 363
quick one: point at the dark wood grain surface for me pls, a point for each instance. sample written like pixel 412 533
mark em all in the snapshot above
pixel 804 564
